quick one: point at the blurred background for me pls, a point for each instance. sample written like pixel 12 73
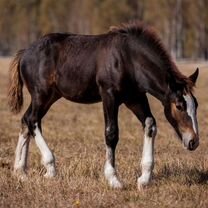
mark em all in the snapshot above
pixel 182 24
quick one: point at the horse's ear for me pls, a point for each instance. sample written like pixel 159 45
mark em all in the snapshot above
pixel 194 76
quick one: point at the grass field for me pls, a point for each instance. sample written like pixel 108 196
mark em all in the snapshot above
pixel 75 134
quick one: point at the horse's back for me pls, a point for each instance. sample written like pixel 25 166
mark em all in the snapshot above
pixel 76 66
pixel 65 62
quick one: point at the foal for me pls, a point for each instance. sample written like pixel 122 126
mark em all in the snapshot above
pixel 118 67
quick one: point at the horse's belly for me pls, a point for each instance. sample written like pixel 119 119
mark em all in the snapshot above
pixel 80 94
pixel 83 99
pixel 78 83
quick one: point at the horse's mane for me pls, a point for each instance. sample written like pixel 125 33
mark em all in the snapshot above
pixel 151 38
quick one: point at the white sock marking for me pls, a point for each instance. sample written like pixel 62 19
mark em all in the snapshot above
pixel 47 156
pixel 21 153
pixel 110 172
pixel 147 161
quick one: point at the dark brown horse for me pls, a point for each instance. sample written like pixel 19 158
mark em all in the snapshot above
pixel 118 67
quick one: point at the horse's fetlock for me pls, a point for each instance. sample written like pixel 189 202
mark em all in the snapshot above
pixel 48 158
pixel 147 166
pixel 150 127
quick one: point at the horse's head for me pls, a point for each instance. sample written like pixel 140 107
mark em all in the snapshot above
pixel 181 112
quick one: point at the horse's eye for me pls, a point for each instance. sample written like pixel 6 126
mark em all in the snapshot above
pixel 180 107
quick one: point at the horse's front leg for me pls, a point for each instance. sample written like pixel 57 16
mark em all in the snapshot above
pixel 142 111
pixel 147 162
pixel 32 120
pixel 110 108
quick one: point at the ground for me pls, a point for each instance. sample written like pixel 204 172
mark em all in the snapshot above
pixel 75 134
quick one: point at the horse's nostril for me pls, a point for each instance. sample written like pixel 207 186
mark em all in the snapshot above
pixel 191 144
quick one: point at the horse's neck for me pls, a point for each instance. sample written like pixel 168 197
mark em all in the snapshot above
pixel 160 91
pixel 152 71
pixel 163 88
pixel 155 83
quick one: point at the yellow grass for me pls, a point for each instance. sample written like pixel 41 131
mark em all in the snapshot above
pixel 75 134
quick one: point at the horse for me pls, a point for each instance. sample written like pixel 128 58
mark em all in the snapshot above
pixel 118 67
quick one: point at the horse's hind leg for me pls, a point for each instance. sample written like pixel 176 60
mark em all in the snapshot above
pixel 40 108
pixel 40 105
pixel 21 152
pixel 110 108
pixel 142 111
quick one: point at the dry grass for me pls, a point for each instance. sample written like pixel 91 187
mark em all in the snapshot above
pixel 75 134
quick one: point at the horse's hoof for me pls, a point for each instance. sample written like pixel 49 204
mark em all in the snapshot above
pixel 115 184
pixel 51 171
pixel 21 175
pixel 142 183
pixel 49 175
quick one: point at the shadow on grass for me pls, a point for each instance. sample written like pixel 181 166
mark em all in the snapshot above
pixel 185 175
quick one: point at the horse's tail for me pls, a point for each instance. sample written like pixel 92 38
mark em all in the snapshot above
pixel 15 95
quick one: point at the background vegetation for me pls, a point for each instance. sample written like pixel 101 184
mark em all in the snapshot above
pixel 182 24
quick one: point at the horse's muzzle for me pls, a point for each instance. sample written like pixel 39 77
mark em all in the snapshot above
pixel 193 144
pixel 190 144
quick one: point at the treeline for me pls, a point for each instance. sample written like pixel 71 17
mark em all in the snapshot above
pixel 182 24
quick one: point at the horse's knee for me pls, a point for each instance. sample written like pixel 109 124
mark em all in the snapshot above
pixel 150 127
pixel 111 134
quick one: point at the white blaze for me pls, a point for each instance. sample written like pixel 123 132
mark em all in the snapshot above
pixel 191 110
